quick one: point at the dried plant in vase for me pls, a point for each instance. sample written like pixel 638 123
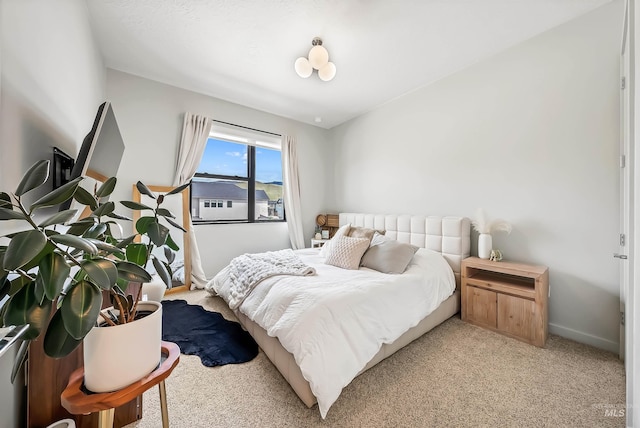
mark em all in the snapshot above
pixel 485 227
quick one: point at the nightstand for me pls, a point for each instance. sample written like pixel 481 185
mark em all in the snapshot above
pixel 506 297
pixel 317 243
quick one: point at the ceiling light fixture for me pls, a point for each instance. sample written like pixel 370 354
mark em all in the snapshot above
pixel 319 60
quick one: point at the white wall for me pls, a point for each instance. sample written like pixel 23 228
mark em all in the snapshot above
pixel 531 136
pixel 150 116
pixel 52 81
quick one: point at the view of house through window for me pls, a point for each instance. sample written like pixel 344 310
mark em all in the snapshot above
pixel 239 177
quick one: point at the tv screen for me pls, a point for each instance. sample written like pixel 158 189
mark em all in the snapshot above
pixel 62 167
pixel 101 151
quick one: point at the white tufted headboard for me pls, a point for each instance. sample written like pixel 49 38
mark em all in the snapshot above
pixel 450 236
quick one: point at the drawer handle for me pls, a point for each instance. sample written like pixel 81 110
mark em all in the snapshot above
pixel 620 256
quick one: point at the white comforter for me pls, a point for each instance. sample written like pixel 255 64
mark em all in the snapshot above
pixel 336 321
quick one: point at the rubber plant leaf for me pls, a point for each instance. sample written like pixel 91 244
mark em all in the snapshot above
pixel 135 205
pixel 23 248
pixel 172 244
pixel 169 255
pixel 145 190
pixel 5 200
pixel 161 270
pixel 52 274
pixel 142 225
pixel 58 196
pixel 58 342
pixel 104 246
pixel 104 209
pixel 118 216
pixel 132 272
pixel 157 233
pixel 102 272
pixel 81 308
pixel 85 198
pixel 106 188
pixel 179 188
pixel 95 231
pixel 34 177
pixel 176 225
pixel 165 213
pixel 76 242
pixel 9 214
pixel 126 241
pixel 24 308
pixel 59 218
pixel 137 253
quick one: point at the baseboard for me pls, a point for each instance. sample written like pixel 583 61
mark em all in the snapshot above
pixel 586 338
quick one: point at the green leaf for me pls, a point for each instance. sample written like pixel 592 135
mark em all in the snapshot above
pixel 135 205
pixel 158 233
pixel 5 200
pixel 58 196
pixel 161 270
pixel 81 308
pixel 23 248
pixel 59 218
pixel 58 342
pixel 85 198
pixel 165 213
pixel 78 229
pixel 179 188
pixel 9 214
pixel 104 246
pixel 126 241
pixel 106 188
pixel 142 225
pixel 24 308
pixel 176 225
pixel 137 253
pixel 132 272
pixel 34 177
pixel 103 272
pixel 52 274
pixel 48 249
pixel 118 216
pixel 5 287
pixel 104 209
pixel 145 190
pixel 172 244
pixel 95 231
pixel 18 284
pixel 169 254
pixel 76 242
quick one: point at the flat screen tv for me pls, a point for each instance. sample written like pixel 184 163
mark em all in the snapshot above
pixel 101 151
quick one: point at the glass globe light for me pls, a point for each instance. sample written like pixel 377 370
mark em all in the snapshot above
pixel 318 57
pixel 327 72
pixel 303 67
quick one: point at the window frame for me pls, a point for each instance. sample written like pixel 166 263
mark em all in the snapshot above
pixel 240 136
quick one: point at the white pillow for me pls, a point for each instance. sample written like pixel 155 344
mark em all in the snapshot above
pixel 343 231
pixel 388 256
pixel 346 252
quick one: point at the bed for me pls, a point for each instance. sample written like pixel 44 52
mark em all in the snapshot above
pixel 318 370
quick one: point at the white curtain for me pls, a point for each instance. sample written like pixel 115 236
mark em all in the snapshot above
pixel 292 191
pixel 195 132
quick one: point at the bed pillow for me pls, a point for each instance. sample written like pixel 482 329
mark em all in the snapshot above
pixel 388 256
pixel 342 231
pixel 363 232
pixel 345 252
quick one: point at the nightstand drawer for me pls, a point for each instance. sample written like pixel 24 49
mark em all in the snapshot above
pixel 480 306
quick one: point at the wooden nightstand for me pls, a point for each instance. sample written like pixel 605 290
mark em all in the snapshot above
pixel 506 297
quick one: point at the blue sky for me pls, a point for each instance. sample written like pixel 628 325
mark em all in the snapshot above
pixel 223 157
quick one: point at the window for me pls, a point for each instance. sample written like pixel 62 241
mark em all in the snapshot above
pixel 244 168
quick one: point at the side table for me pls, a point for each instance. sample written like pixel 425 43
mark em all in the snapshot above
pixel 77 400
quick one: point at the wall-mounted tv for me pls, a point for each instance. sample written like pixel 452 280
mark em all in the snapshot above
pixel 101 151
pixel 62 167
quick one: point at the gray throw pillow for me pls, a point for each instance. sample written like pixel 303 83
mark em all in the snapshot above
pixel 389 256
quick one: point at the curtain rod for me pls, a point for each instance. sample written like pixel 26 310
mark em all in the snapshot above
pixel 246 127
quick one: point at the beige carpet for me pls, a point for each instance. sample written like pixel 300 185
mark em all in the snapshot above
pixel 457 375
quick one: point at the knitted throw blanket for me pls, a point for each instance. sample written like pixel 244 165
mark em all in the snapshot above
pixel 246 271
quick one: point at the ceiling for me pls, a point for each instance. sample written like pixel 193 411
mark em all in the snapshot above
pixel 243 50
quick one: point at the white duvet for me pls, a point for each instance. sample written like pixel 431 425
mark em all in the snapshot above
pixel 336 321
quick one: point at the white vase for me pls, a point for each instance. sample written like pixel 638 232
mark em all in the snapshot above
pixel 154 289
pixel 485 244
pixel 117 356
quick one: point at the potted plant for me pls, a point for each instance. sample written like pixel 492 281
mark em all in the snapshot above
pixel 484 227
pixel 69 263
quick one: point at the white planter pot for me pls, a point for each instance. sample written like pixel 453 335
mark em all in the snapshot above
pixel 154 290
pixel 485 244
pixel 117 356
